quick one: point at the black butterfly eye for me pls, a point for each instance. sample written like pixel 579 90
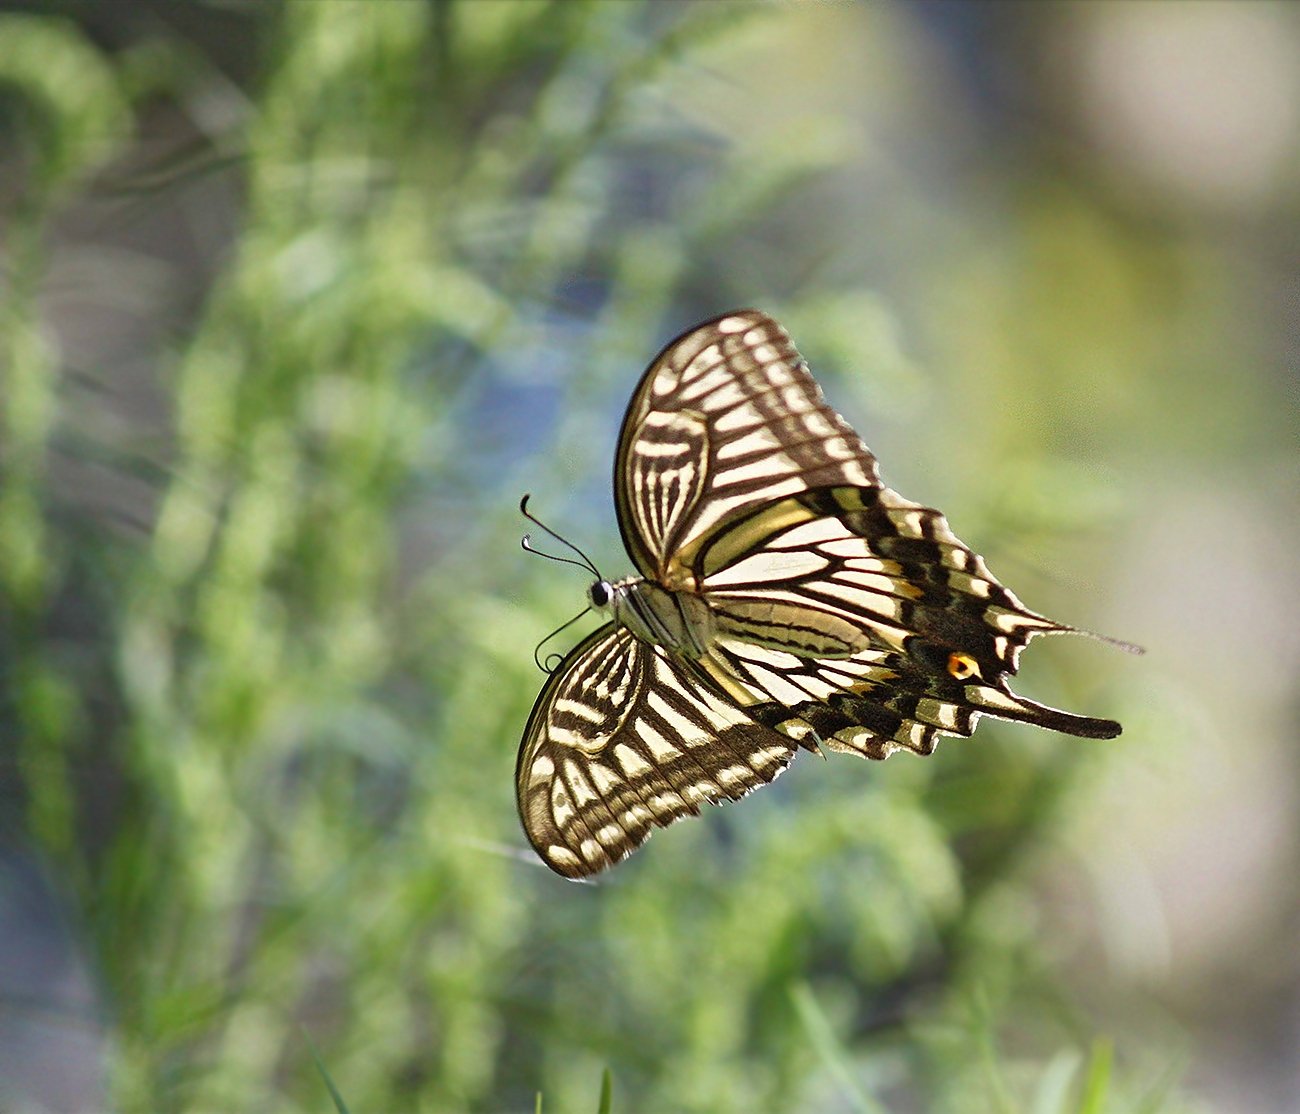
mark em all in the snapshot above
pixel 599 594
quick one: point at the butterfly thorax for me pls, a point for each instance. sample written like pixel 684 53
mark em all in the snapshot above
pixel 678 621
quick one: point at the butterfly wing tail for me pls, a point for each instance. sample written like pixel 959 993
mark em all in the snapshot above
pixel 1005 704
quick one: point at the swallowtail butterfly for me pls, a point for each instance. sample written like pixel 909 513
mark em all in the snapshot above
pixel 784 598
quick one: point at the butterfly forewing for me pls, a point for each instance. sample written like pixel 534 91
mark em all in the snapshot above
pixel 726 419
pixel 624 739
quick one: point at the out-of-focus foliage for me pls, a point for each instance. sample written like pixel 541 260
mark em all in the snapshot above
pixel 299 298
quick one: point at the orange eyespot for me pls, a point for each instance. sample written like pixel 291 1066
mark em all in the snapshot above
pixel 962 666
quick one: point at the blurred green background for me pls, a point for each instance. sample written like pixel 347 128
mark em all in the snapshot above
pixel 299 298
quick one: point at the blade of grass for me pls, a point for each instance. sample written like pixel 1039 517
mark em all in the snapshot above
pixel 1097 1081
pixel 339 1104
pixel 983 1019
pixel 1158 1094
pixel 1056 1084
pixel 832 1053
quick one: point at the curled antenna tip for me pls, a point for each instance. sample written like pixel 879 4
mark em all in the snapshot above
pixel 585 563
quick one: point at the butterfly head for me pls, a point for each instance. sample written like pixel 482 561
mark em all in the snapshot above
pixel 600 594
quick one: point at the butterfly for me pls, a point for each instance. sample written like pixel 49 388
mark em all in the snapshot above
pixel 784 599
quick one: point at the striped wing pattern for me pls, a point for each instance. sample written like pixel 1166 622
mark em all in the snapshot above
pixel 726 419
pixel 624 739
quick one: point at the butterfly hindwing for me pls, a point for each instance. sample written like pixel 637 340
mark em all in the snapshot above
pixel 622 740
pixel 857 617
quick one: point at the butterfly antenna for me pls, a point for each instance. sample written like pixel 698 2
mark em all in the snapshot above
pixel 546 666
pixel 585 563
